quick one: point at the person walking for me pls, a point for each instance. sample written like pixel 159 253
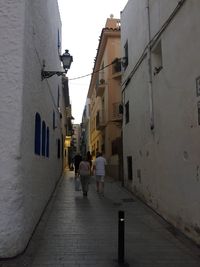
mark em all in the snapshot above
pixel 84 171
pixel 99 169
pixel 77 160
pixel 89 159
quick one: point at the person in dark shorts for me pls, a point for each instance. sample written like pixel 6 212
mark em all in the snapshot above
pixel 77 160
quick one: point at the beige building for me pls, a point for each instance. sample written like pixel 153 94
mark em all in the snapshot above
pixel 105 97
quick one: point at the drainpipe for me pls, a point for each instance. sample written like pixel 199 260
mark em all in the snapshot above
pixel 150 86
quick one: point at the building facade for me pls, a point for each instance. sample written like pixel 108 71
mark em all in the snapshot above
pixel 105 98
pixel 161 124
pixel 32 117
pixel 76 138
pixel 66 122
pixel 85 129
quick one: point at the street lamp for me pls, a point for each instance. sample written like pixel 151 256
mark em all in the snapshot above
pixel 66 59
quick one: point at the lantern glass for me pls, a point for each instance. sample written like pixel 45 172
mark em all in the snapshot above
pixel 66 59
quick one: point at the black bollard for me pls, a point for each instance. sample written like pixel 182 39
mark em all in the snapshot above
pixel 121 237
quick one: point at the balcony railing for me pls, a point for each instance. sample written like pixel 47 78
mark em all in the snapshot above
pixel 116 68
pixel 100 120
pixel 116 114
pixel 100 87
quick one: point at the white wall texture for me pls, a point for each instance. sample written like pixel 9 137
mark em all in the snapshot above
pixel 168 157
pixel 28 31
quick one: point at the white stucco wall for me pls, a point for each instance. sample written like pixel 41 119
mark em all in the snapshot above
pixel 29 33
pixel 167 157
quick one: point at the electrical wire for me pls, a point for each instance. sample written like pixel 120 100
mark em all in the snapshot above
pixel 76 78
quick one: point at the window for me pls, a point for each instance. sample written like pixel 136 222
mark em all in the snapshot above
pixel 127 112
pixel 125 61
pixel 47 144
pixel 58 149
pixel 129 168
pixel 116 146
pixel 157 63
pixel 37 133
pixel 43 138
pixel 198 108
pixel 54 120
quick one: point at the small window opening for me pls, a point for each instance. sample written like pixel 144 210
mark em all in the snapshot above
pixel 127 112
pixel 43 138
pixel 125 59
pixel 47 144
pixel 37 133
pixel 157 62
pixel 129 168
pixel 198 106
pixel 58 149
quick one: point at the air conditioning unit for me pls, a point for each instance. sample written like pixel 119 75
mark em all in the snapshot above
pixel 102 81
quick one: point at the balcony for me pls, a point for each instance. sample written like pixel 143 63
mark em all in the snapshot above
pixel 116 112
pixel 117 69
pixel 100 87
pixel 100 120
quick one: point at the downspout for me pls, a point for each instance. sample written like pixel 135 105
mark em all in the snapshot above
pixel 150 86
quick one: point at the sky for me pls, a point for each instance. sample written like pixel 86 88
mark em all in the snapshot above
pixel 82 23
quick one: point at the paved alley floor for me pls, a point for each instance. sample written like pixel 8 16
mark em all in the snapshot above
pixel 76 231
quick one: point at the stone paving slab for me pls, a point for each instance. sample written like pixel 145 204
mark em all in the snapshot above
pixel 76 231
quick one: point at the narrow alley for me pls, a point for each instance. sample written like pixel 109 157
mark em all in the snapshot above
pixel 77 231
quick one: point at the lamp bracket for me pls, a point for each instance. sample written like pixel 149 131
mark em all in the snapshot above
pixel 66 59
pixel 47 74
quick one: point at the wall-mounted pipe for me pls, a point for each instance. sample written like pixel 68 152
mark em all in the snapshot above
pixel 150 85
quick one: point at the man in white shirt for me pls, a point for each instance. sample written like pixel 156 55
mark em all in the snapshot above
pixel 99 168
